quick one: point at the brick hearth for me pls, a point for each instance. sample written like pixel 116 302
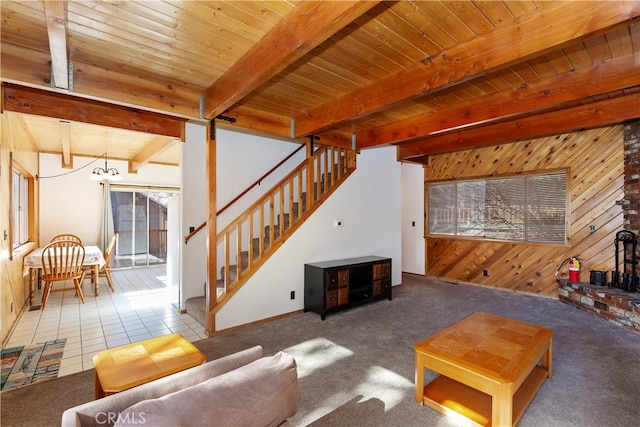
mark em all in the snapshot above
pixel 615 305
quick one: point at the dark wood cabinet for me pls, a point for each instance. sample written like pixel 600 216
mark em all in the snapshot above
pixel 332 286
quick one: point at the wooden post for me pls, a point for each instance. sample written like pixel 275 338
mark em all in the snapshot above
pixel 212 234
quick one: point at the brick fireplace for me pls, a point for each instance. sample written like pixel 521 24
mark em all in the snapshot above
pixel 631 202
pixel 615 305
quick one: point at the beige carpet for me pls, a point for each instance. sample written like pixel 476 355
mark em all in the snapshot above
pixel 356 368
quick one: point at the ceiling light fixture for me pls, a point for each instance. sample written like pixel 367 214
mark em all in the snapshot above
pixel 106 173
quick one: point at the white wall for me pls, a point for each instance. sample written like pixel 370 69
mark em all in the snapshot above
pixel 193 211
pixel 174 227
pixel 413 245
pixel 72 203
pixel 241 160
pixel 369 206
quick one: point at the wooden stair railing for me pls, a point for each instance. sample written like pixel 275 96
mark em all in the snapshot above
pixel 249 240
pixel 243 192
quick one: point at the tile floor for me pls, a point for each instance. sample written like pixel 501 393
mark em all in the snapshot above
pixel 140 308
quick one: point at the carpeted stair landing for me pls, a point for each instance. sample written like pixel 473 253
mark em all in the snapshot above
pixel 196 309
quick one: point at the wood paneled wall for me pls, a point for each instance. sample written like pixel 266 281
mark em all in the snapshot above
pixel 594 161
pixel 15 140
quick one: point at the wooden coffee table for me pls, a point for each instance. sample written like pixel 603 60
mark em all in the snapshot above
pixel 490 368
pixel 121 368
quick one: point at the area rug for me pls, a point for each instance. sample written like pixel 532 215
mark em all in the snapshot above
pixel 28 364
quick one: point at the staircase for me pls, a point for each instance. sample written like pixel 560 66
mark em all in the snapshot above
pixel 264 226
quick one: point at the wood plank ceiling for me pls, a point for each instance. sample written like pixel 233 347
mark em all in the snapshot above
pixel 427 76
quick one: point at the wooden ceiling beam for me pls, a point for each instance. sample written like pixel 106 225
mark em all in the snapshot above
pixel 603 113
pixel 56 17
pixel 27 100
pixel 154 147
pixel 615 74
pixel 532 34
pixel 31 68
pixel 310 24
pixel 65 140
pixel 275 126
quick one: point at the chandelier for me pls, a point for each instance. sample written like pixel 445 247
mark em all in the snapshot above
pixel 106 173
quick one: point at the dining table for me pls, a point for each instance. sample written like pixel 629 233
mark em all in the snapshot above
pixel 93 259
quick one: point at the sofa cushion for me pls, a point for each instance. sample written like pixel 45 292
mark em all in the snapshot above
pixel 262 393
pixel 104 412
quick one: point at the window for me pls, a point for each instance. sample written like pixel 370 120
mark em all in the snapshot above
pixel 21 206
pixel 140 217
pixel 530 208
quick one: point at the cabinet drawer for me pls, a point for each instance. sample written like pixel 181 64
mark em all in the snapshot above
pixel 343 278
pixel 377 287
pixel 381 287
pixel 337 278
pixel 332 299
pixel 343 296
pixel 381 271
pixel 331 279
pixel 377 271
pixel 386 286
pixel 386 270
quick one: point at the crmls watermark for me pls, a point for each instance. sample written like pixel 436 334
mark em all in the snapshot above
pixel 127 418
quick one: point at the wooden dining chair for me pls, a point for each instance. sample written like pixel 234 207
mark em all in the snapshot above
pixel 105 269
pixel 62 261
pixel 66 236
pixel 107 258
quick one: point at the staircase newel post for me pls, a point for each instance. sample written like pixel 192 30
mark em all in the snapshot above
pixel 212 231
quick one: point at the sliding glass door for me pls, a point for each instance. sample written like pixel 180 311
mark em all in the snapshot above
pixel 140 219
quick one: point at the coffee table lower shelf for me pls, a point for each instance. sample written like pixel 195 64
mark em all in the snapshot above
pixel 448 397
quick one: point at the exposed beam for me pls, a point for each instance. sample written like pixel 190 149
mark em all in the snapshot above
pixel 31 68
pixel 596 114
pixel 310 24
pixel 259 122
pixel 56 16
pixel 28 100
pixel 65 140
pixel 154 147
pixel 275 126
pixel 532 34
pixel 615 74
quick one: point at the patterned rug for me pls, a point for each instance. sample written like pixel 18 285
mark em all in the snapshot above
pixel 29 364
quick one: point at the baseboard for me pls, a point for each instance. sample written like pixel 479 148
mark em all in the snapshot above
pixel 257 322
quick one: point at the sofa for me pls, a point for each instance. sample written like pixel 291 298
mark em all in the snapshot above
pixel 242 389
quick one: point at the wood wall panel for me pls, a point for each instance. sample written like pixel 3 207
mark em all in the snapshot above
pixel 594 161
pixel 15 139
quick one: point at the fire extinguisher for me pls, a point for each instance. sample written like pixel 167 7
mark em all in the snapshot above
pixel 574 268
